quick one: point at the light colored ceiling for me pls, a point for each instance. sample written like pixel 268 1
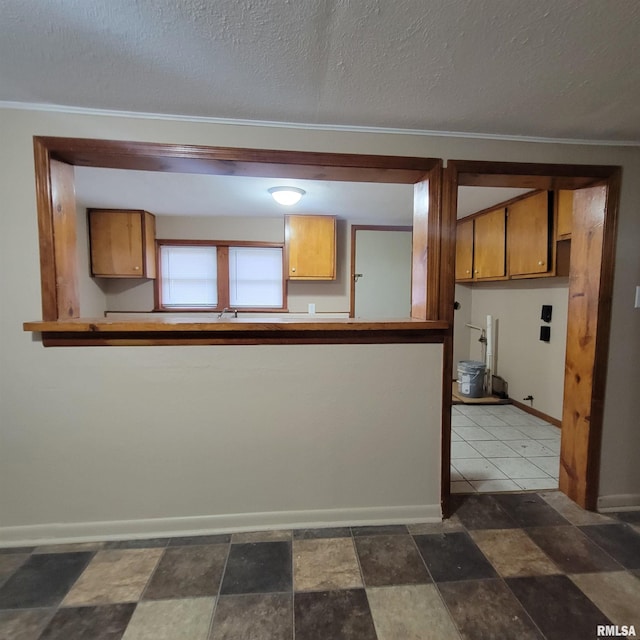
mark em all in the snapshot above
pixel 204 195
pixel 553 68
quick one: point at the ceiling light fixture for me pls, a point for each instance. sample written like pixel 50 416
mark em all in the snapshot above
pixel 287 196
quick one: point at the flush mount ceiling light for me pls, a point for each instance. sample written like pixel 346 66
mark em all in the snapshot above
pixel 287 196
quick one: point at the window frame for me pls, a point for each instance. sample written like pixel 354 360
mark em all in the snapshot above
pixel 222 253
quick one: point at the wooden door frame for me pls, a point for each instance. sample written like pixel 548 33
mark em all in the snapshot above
pixel 55 157
pixel 580 486
pixel 365 227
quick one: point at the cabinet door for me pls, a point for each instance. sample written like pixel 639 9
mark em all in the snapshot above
pixel 464 250
pixel 311 247
pixel 565 214
pixel 116 243
pixel 528 235
pixel 489 241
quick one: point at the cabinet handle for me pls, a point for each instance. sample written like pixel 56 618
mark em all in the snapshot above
pixel 468 271
pixel 136 268
pixel 540 262
pixel 293 269
pixel 477 271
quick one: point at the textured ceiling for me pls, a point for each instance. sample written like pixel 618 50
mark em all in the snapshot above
pixel 552 68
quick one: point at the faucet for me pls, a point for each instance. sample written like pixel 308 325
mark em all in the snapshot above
pixel 235 312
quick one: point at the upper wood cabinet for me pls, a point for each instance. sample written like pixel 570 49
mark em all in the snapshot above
pixel 310 247
pixel 528 235
pixel 564 204
pixel 489 245
pixel 122 243
pixel 514 240
pixel 464 250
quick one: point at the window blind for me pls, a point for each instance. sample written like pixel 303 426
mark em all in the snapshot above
pixel 189 276
pixel 255 277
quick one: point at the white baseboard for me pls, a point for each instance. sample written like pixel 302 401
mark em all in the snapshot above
pixel 61 533
pixel 621 502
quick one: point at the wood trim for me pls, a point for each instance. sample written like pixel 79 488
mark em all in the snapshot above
pixel 218 243
pixel 198 159
pixel 579 471
pixel 426 265
pixel 601 360
pixel 240 324
pixel 434 242
pixel 174 331
pixel 63 204
pixel 189 338
pixel 447 299
pixel 538 414
pixel 445 440
pixel 222 278
pixel 172 158
pixel 546 177
pixel 352 271
pixel 45 231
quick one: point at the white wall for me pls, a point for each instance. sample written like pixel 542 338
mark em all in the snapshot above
pixel 99 434
pixel 529 366
pixel 461 332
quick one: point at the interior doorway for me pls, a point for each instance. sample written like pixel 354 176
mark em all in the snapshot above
pixel 380 271
pixel 595 196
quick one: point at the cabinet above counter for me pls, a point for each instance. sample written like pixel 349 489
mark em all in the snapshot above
pixel 310 246
pixel 515 239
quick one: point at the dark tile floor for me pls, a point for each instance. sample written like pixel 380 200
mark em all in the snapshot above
pixel 530 565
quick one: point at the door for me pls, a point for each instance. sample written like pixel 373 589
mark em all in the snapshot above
pixel 381 271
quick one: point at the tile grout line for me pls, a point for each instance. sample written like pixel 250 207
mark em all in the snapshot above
pixel 217 598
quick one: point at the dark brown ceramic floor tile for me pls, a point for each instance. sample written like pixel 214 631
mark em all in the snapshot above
pixel 619 540
pixel 487 610
pixel 10 563
pixel 24 624
pixel 199 540
pixel 334 615
pixel 453 556
pixel 480 512
pixel 390 560
pixel 529 510
pixel 43 580
pixel 264 616
pixel 316 534
pixel 558 607
pixel 260 567
pixel 9 550
pixel 188 572
pixel 94 623
pixel 571 550
pixel 147 543
pixel 380 530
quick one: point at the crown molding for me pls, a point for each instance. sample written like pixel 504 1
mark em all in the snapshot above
pixel 53 108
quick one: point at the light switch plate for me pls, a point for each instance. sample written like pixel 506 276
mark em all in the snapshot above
pixel 637 305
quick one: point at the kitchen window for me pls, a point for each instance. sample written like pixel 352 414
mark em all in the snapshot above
pixel 212 275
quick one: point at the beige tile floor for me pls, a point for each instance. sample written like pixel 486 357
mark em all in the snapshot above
pixel 502 448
